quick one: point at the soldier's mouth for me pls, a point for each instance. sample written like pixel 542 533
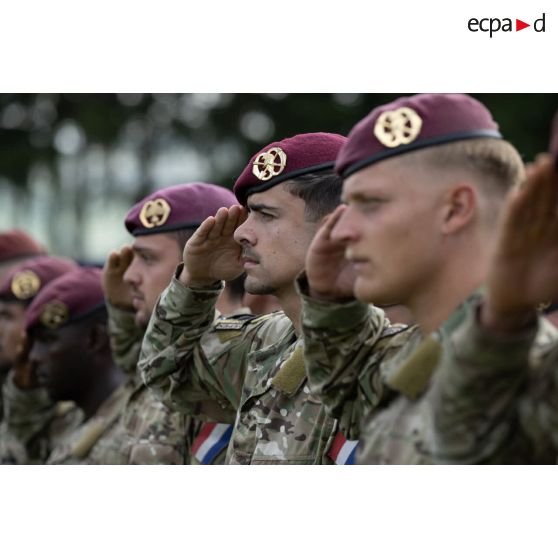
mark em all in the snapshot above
pixel 42 378
pixel 358 264
pixel 249 262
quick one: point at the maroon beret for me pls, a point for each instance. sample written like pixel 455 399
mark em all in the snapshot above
pixel 26 280
pixel 184 206
pixel 67 299
pixel 17 244
pixel 411 123
pixel 286 159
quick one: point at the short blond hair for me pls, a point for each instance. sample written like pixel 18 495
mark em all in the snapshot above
pixel 494 161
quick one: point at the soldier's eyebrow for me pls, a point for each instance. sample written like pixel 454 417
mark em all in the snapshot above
pixel 361 197
pixel 143 250
pixel 259 207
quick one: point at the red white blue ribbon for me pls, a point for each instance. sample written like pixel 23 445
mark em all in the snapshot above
pixel 212 438
pixel 343 451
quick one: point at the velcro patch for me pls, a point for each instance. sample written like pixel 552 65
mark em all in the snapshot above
pixel 238 322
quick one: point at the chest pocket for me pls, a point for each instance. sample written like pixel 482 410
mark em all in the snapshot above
pixel 279 421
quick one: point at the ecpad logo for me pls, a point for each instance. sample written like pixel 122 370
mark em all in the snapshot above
pixel 494 24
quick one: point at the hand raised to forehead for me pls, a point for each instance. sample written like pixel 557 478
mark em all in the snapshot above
pixel 24 373
pixel 330 276
pixel 117 292
pixel 212 254
pixel 524 269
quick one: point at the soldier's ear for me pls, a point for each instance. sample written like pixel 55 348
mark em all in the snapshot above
pixel 97 338
pixel 459 208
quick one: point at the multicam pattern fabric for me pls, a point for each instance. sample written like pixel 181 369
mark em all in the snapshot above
pixel 338 339
pixel 251 369
pixel 148 433
pixel 495 397
pixel 125 339
pixel 92 443
pixel 380 387
pixel 353 357
pixel 33 425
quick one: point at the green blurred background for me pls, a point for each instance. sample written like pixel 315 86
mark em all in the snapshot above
pixel 72 164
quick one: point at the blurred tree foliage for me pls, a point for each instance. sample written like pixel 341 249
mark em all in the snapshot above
pixel 44 127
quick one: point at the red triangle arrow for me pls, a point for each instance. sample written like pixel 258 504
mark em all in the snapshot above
pixel 519 25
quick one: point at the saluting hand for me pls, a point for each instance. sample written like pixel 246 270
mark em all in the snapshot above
pixel 117 292
pixel 330 275
pixel 211 254
pixel 24 374
pixel 524 270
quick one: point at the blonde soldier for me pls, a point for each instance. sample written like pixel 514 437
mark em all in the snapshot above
pixel 71 357
pixel 425 179
pixel 133 279
pixel 253 367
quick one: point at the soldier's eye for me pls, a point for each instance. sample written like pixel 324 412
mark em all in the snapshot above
pixel 369 204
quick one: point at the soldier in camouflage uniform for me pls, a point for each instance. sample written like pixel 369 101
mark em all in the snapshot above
pixel 425 177
pixel 29 410
pixel 71 357
pixel 495 398
pixel 133 279
pixel 251 367
pixel 15 247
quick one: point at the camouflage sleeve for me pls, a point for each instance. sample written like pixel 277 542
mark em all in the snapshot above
pixel 338 339
pixel 474 394
pixel 125 339
pixel 189 365
pixel 26 415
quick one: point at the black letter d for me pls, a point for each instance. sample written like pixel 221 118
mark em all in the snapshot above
pixel 535 25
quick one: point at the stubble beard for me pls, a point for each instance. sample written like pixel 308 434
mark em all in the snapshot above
pixel 253 286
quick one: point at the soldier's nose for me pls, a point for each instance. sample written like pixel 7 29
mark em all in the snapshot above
pixel 244 235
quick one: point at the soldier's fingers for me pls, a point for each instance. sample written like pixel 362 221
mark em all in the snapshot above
pixel 331 221
pixel 532 199
pixel 113 261
pixel 220 219
pixel 126 251
pixel 543 158
pixel 544 194
pixel 126 256
pixel 515 218
pixel 202 232
pixel 231 222
pixel 24 344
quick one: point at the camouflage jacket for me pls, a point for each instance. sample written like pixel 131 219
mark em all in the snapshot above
pixel 249 368
pixel 495 397
pixel 93 443
pixel 148 432
pixel 376 383
pixel 125 339
pixel 33 425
